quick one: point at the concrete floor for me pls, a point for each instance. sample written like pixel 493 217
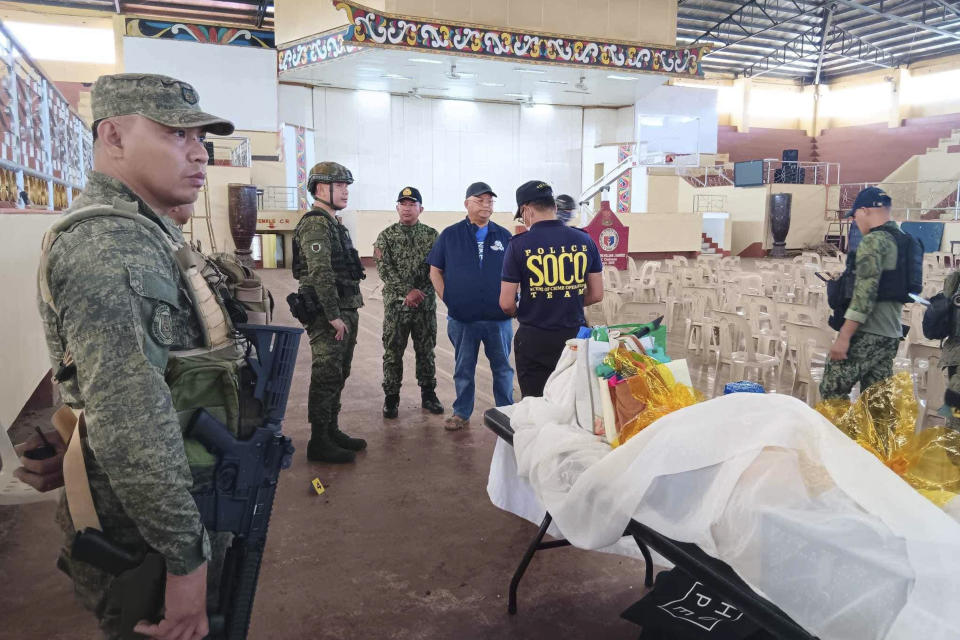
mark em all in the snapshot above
pixel 403 544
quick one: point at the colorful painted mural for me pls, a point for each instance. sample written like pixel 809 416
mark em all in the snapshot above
pixel 301 137
pixel 327 46
pixel 372 28
pixel 624 183
pixel 205 33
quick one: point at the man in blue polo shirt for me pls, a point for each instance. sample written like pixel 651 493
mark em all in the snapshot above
pixel 558 271
pixel 465 267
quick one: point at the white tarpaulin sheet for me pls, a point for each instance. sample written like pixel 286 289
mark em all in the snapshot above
pixel 805 515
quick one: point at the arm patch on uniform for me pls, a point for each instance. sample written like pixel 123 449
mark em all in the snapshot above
pixel 161 325
pixel 315 247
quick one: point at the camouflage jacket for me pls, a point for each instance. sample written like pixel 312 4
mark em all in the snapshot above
pixel 401 253
pixel 118 307
pixel 950 351
pixel 321 252
pixel 877 253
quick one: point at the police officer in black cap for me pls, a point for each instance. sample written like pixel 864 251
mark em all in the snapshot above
pixel 409 302
pixel 557 270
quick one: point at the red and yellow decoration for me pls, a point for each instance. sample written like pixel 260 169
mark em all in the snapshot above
pixel 368 27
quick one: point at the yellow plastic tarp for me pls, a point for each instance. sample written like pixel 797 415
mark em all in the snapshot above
pixel 883 420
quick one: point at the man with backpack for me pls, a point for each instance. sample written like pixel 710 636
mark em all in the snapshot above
pixel 885 273
pixel 941 321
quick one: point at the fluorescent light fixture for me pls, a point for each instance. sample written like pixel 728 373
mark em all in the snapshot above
pixel 396 76
pixel 466 74
pixel 696 85
pixel 614 76
pixel 517 95
pixel 370 69
pixel 61 42
pixel 553 81
pixel 491 84
pixel 425 60
pixel 520 70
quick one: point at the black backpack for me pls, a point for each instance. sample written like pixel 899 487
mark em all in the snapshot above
pixel 938 317
pixel 907 278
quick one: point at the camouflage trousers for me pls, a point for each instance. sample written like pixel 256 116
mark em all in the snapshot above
pixel 331 365
pixel 869 360
pixel 399 323
pixel 951 397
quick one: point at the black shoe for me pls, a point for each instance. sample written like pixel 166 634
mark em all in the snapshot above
pixel 391 405
pixel 322 448
pixel 430 401
pixel 344 441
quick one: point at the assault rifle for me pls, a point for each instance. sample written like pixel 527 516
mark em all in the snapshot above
pixel 239 500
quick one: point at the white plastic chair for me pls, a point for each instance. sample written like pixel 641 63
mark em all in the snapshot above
pixel 697 323
pixel 812 347
pixel 640 312
pixel 645 287
pixel 734 330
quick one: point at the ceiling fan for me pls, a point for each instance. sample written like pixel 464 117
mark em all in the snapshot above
pixel 580 87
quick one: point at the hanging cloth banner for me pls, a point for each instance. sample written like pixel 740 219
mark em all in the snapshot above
pixel 611 236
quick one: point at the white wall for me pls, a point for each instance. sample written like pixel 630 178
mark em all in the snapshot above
pixel 441 146
pixel 296 105
pixel 22 342
pixel 678 120
pixel 238 83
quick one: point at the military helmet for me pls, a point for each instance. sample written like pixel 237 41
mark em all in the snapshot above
pixel 328 173
pixel 566 203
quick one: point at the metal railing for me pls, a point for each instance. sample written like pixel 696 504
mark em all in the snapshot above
pixel 718 176
pixel 234 150
pixel 276 198
pixel 789 172
pixel 703 203
pixel 914 200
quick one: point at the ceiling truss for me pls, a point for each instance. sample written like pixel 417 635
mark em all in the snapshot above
pixel 808 40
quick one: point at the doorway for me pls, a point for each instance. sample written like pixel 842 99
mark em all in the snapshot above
pixel 268 251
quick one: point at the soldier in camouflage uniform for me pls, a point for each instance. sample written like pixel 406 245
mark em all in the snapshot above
pixel 950 355
pixel 329 271
pixel 868 340
pixel 113 300
pixel 409 302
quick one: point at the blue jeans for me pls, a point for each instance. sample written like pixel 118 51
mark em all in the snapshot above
pixel 466 338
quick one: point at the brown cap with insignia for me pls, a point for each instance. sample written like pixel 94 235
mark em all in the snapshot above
pixel 163 99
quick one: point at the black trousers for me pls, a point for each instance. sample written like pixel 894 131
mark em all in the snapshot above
pixel 537 352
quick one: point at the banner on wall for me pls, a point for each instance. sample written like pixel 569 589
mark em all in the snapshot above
pixel 610 235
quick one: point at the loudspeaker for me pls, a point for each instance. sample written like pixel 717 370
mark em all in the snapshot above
pixel 791 155
pixel 209 145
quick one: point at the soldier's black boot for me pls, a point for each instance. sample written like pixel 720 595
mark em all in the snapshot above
pixel 391 405
pixel 322 448
pixel 344 441
pixel 430 401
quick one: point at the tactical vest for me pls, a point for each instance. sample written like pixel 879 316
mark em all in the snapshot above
pixel 210 377
pixel 344 258
pixel 907 277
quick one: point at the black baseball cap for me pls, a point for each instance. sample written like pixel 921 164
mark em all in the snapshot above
pixel 410 193
pixel 532 190
pixel 479 189
pixel 565 202
pixel 869 198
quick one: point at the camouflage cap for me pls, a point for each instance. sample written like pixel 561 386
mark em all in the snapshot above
pixel 163 99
